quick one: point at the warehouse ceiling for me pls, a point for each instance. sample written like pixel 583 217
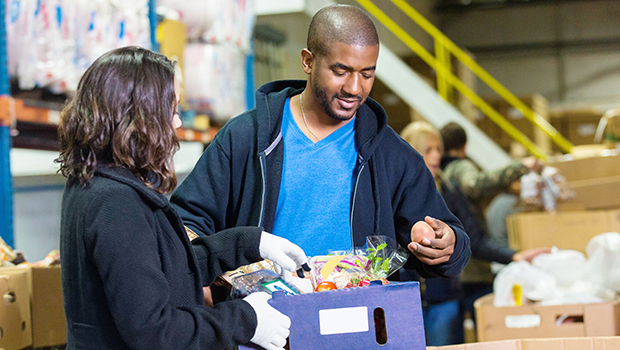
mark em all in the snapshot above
pixel 465 5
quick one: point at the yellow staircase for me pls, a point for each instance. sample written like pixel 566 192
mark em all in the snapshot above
pixel 445 50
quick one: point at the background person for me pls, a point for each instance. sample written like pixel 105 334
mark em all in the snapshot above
pixel 443 319
pixel 131 279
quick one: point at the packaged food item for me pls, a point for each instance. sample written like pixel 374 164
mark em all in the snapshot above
pixel 343 270
pixel 260 281
pixel 377 260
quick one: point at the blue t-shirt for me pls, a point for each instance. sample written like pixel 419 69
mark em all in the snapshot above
pixel 315 191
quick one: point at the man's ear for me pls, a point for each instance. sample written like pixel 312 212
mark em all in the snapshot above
pixel 307 61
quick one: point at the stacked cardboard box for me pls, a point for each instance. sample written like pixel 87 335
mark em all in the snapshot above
pixel 595 180
pixel 593 210
pixel 577 125
pixel 536 103
pixel 566 230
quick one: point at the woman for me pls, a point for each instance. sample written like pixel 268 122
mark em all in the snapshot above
pixel 442 319
pixel 131 277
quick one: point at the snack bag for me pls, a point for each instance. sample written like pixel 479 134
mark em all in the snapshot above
pixel 260 281
pixel 343 270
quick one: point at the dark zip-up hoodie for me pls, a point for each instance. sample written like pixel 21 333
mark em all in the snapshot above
pixel 236 181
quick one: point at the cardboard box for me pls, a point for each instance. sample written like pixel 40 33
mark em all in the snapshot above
pixel 536 321
pixel 586 343
pixel 595 180
pixel 347 318
pixel 598 193
pixel 49 324
pixel 578 125
pixel 566 230
pixel 588 168
pixel 15 324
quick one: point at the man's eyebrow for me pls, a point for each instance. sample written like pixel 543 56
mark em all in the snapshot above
pixel 348 68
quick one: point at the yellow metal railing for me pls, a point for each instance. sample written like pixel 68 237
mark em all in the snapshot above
pixel 441 63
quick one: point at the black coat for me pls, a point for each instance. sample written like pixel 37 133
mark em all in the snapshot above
pixel 131 278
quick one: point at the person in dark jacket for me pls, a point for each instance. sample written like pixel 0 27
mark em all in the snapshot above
pixel 317 163
pixel 131 277
pixel 443 320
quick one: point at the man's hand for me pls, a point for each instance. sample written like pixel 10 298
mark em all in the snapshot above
pixel 432 241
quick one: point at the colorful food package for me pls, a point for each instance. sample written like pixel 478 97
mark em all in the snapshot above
pixel 260 281
pixel 377 260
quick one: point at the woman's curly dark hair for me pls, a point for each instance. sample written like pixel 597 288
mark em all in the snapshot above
pixel 121 116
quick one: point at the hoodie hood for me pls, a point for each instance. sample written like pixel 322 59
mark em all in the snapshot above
pixel 370 120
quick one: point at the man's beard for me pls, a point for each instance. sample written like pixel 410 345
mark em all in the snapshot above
pixel 325 103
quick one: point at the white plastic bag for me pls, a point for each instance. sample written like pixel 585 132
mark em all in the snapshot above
pixel 567 266
pixel 603 266
pixel 535 284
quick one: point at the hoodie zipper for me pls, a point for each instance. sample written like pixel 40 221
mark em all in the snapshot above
pixel 357 180
pixel 261 158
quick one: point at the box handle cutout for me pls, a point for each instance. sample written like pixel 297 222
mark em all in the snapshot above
pixel 568 319
pixel 9 297
pixel 380 330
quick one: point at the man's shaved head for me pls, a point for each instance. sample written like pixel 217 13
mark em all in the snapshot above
pixel 340 23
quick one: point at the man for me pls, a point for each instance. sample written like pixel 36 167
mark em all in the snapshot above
pixel 316 162
pixel 478 185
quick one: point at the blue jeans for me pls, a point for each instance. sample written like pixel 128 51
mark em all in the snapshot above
pixel 443 324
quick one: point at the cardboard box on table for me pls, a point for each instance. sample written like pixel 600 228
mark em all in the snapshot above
pixel 346 318
pixel 595 180
pixel 566 230
pixel 586 343
pixel 545 321
pixel 15 324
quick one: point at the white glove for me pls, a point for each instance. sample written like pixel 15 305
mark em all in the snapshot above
pixel 286 256
pixel 272 326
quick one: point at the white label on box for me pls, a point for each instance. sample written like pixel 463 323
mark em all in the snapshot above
pixel 344 320
pixel 522 321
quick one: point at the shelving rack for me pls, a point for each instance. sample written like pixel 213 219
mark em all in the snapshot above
pixel 6 183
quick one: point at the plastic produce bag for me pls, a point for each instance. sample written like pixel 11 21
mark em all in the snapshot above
pixel 603 265
pixel 378 259
pixel 385 255
pixel 343 270
pixel 534 284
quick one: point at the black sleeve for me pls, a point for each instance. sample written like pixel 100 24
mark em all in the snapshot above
pixel 482 246
pixel 226 251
